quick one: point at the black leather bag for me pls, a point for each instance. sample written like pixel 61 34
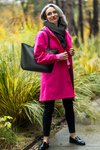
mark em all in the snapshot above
pixel 28 61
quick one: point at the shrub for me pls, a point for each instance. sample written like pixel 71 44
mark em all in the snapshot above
pixel 7 136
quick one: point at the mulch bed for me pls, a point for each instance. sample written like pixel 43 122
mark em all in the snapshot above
pixel 31 133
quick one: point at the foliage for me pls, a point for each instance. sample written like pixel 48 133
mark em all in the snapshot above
pixel 4 122
pixel 7 136
pixel 73 39
pixel 19 89
pixel 87 57
pixel 85 91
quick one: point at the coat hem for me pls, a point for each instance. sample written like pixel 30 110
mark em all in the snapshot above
pixel 59 98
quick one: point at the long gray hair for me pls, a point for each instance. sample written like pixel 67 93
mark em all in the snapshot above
pixel 62 18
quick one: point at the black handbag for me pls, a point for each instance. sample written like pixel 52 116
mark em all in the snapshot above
pixel 28 61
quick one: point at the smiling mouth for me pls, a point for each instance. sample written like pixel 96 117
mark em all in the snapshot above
pixel 54 18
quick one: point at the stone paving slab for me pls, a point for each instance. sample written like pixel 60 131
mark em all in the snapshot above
pixel 74 148
pixel 89 133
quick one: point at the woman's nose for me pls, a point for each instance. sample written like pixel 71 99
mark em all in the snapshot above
pixel 53 14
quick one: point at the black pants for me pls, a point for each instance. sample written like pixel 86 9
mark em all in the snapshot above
pixel 69 114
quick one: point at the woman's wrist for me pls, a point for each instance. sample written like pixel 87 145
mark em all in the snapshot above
pixel 59 57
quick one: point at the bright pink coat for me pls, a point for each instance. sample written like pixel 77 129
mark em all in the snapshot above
pixel 57 84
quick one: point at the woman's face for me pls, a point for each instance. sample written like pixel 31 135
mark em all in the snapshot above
pixel 52 15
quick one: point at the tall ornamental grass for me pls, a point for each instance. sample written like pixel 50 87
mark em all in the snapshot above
pixel 19 90
pixel 85 92
pixel 87 78
pixel 87 57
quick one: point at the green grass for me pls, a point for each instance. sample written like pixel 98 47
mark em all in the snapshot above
pixel 7 136
pixel 19 90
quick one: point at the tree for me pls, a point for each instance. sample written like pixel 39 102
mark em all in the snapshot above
pixel 25 7
pixel 90 23
pixel 57 2
pixel 89 7
pixel 81 19
pixel 95 18
pixel 70 18
pixel 62 4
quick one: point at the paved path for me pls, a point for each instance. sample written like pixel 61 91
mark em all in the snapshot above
pixel 89 133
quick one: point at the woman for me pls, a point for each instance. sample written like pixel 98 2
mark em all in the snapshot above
pixel 59 83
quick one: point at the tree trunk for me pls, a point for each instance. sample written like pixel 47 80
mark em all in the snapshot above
pixel 81 19
pixel 70 18
pixel 25 9
pixel 90 23
pixel 57 3
pixel 62 6
pixel 95 18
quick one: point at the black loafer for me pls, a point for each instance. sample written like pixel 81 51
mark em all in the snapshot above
pixel 43 146
pixel 77 141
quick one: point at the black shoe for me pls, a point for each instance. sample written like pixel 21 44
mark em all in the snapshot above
pixel 77 141
pixel 43 146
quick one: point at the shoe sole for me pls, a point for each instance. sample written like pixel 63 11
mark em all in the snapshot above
pixel 77 143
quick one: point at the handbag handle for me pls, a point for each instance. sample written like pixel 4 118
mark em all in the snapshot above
pixel 48 38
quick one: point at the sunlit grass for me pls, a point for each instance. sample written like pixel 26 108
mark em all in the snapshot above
pixel 87 57
pixel 19 90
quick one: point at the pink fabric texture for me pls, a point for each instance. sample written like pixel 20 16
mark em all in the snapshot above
pixel 57 84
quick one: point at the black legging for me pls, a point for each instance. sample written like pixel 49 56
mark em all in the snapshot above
pixel 69 113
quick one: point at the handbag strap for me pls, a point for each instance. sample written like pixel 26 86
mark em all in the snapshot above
pixel 48 38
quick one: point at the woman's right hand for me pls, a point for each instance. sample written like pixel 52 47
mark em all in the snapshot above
pixel 62 56
pixel 65 55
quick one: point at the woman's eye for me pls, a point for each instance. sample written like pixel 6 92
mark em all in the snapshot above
pixel 49 14
pixel 54 12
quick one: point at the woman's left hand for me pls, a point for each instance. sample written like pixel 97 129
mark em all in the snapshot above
pixel 71 51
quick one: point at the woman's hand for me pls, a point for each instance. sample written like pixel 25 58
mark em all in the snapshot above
pixel 65 55
pixel 71 51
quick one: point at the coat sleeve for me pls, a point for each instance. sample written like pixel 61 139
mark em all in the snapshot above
pixel 39 50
